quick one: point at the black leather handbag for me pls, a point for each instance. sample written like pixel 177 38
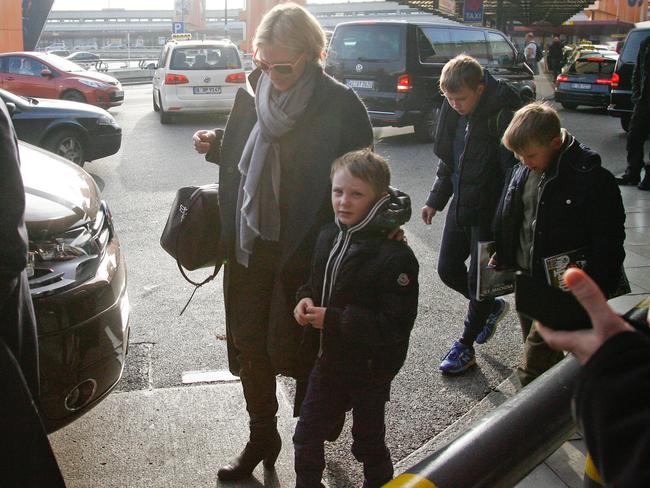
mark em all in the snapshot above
pixel 192 232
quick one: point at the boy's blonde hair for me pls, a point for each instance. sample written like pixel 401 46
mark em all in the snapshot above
pixel 459 72
pixel 294 27
pixel 367 166
pixel 535 124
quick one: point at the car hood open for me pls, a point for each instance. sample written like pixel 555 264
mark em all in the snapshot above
pixel 59 194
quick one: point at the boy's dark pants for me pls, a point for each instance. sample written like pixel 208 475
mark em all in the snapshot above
pixel 538 356
pixel 329 396
pixel 459 243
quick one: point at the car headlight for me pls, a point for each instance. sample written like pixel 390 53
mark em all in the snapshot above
pixel 93 83
pixel 106 120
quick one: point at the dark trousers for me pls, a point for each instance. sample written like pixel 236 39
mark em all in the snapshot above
pixel 459 243
pixel 538 356
pixel 250 291
pixel 639 131
pixel 329 396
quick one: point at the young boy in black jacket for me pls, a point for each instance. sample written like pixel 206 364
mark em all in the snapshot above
pixel 559 199
pixel 358 308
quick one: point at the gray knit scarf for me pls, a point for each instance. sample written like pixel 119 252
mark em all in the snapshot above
pixel 259 187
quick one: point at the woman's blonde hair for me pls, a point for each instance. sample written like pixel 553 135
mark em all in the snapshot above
pixel 290 25
pixel 535 124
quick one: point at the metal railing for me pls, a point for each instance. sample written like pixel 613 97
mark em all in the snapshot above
pixel 504 446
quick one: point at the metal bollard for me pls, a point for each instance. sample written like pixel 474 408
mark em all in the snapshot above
pixel 504 446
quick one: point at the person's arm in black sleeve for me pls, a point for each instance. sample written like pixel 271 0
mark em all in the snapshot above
pixel 507 159
pixel 607 233
pixel 442 188
pixel 636 73
pixel 356 128
pixel 392 322
pixel 612 404
pixel 13 234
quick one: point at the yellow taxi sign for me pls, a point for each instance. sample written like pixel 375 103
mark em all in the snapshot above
pixel 182 37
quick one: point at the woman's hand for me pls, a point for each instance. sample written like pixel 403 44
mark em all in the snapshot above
pixel 316 316
pixel 427 214
pixel 202 140
pixel 584 343
pixel 300 312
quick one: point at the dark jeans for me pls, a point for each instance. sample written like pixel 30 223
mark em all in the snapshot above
pixel 251 290
pixel 328 397
pixel 459 243
pixel 639 131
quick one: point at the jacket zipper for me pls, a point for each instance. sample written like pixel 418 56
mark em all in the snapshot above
pixel 461 160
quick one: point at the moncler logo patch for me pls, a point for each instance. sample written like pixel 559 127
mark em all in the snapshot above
pixel 403 279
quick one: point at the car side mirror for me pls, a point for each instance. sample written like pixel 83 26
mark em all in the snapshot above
pixel 11 108
pixel 46 73
pixel 521 58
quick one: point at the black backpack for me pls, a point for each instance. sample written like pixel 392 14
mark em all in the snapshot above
pixel 539 53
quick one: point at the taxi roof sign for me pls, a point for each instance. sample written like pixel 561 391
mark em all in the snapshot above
pixel 182 37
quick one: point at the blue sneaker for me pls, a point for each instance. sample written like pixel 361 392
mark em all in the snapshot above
pixel 459 358
pixel 501 308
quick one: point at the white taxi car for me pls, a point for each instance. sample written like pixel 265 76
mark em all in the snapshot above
pixel 197 77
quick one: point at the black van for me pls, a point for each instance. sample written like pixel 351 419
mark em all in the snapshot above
pixel 395 66
pixel 621 100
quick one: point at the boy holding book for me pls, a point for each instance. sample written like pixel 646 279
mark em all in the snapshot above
pixel 559 200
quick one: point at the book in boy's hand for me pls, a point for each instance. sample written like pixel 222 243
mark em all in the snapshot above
pixel 491 280
pixel 555 266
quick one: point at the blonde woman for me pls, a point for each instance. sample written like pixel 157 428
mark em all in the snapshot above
pixel 274 160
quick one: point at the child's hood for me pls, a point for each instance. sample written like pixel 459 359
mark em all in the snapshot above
pixel 389 213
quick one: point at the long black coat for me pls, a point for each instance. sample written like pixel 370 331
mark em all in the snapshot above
pixel 580 206
pixel 476 181
pixel 334 122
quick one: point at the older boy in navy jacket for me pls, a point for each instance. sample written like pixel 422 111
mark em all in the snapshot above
pixel 559 199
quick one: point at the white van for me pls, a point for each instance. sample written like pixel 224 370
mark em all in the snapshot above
pixel 197 77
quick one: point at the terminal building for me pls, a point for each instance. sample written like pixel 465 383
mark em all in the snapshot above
pixel 119 29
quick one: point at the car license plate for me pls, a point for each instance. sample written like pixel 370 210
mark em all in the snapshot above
pixel 207 90
pixel 367 84
pixel 581 86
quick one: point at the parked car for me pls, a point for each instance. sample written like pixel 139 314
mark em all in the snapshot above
pixel 59 52
pixel 82 56
pixel 77 131
pixel 621 99
pixel 197 77
pixel 586 81
pixel 395 66
pixel 77 278
pixel 46 75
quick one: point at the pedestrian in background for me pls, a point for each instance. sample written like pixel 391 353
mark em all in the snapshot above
pixel 612 392
pixel 274 190
pixel 358 309
pixel 639 129
pixel 554 57
pixel 26 458
pixel 559 199
pixel 530 51
pixel 471 172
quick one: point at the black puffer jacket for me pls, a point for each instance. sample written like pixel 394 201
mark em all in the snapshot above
pixel 579 206
pixel 477 180
pixel 641 74
pixel 373 303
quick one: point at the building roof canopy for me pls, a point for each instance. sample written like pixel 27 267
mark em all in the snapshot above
pixel 524 11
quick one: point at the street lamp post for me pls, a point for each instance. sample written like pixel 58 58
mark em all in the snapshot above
pixel 225 21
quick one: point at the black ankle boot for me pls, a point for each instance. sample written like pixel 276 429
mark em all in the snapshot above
pixel 264 445
pixel 627 179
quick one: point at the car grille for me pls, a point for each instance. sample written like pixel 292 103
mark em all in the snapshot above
pixel 116 96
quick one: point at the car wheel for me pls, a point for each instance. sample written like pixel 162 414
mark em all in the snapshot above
pixel 569 106
pixel 67 143
pixel 74 96
pixel 425 130
pixel 165 118
pixel 156 108
pixel 625 122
